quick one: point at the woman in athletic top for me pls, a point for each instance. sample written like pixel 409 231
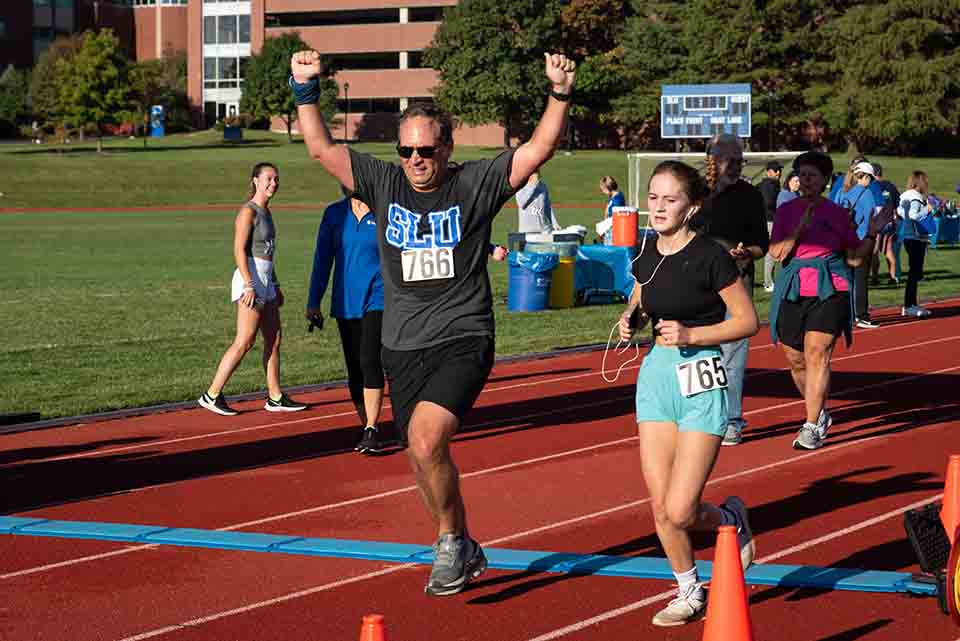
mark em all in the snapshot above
pixel 686 284
pixel 256 291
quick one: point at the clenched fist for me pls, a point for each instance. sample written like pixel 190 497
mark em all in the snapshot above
pixel 305 65
pixel 561 71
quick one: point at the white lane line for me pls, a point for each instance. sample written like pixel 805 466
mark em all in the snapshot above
pixel 663 596
pixel 555 634
pixel 548 381
pixel 411 488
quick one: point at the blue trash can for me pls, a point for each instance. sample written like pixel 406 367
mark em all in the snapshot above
pixel 528 287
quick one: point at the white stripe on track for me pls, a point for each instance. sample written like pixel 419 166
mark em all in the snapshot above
pixel 545 381
pixel 411 488
pixel 663 596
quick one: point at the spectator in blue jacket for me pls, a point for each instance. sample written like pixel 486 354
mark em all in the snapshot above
pixel 858 199
pixel 347 242
pixel 914 208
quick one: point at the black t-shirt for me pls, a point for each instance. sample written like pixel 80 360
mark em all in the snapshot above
pixel 770 189
pixel 433 248
pixel 686 286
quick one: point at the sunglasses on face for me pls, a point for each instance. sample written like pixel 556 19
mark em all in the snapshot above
pixel 423 152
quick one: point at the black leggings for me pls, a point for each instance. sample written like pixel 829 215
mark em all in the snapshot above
pixel 916 250
pixel 361 351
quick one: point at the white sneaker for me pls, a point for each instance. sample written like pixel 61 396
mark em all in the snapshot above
pixel 915 310
pixel 768 288
pixel 733 435
pixel 824 421
pixel 748 547
pixel 808 438
pixel 688 606
pixel 866 323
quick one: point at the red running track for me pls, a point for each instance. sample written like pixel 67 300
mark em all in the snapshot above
pixel 549 462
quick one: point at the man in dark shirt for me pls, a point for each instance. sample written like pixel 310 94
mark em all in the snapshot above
pixel 433 229
pixel 770 188
pixel 735 216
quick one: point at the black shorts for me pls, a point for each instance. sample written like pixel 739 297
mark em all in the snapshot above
pixel 450 374
pixel 810 314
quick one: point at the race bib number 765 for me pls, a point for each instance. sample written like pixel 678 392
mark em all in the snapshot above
pixel 701 375
pixel 431 263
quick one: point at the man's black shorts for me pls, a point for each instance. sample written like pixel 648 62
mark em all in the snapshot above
pixel 450 374
pixel 810 314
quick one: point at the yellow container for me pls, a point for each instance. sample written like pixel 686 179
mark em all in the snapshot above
pixel 561 286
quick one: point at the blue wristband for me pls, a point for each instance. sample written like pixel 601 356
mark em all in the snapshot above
pixel 307 93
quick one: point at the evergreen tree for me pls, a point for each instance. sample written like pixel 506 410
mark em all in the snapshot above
pixel 266 92
pixel 894 76
pixel 92 86
pixel 14 89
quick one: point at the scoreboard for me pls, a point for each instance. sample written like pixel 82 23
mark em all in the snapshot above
pixel 704 111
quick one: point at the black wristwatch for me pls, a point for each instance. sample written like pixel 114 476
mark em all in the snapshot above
pixel 562 97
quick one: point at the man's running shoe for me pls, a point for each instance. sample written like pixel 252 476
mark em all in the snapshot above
pixel 824 421
pixel 733 435
pixel 915 311
pixel 283 404
pixel 217 405
pixel 866 323
pixel 688 606
pixel 457 560
pixel 748 547
pixel 370 442
pixel 808 438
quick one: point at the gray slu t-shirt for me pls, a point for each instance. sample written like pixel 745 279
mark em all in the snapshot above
pixel 263 239
pixel 433 248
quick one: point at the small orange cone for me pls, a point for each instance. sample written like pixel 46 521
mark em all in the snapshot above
pixel 372 628
pixel 950 512
pixel 728 612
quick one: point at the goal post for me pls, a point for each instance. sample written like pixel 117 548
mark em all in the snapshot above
pixel 640 165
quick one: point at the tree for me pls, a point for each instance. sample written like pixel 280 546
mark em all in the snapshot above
pixel 44 97
pixel 489 55
pixel 92 86
pixel 159 82
pixel 14 89
pixel 266 93
pixel 895 73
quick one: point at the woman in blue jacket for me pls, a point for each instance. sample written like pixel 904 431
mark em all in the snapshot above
pixel 347 242
pixel 857 197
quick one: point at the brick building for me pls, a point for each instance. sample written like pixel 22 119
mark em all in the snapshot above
pixel 375 46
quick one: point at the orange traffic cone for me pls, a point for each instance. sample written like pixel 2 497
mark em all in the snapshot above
pixel 950 512
pixel 372 628
pixel 728 613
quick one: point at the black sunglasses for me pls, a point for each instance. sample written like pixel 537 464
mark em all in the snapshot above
pixel 407 152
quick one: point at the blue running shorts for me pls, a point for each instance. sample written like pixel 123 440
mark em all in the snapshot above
pixel 659 396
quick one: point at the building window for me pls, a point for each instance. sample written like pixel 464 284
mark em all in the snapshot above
pixel 342 61
pixel 414 59
pixel 425 14
pixel 209 30
pixel 332 18
pixel 227 68
pixel 226 29
pixel 244 29
pixel 244 63
pixel 370 106
pixel 3 28
pixel 209 73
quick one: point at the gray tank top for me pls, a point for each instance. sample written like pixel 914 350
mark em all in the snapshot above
pixel 263 239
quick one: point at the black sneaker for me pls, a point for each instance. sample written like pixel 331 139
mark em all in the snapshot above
pixel 217 405
pixel 283 404
pixel 457 560
pixel 370 442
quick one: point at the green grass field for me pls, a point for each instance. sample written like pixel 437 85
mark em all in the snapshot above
pixel 109 310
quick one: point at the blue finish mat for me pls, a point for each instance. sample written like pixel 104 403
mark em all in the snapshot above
pixel 794 576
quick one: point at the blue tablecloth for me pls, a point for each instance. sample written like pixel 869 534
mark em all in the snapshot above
pixel 948 231
pixel 603 274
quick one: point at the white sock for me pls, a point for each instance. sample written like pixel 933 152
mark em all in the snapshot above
pixel 686 580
